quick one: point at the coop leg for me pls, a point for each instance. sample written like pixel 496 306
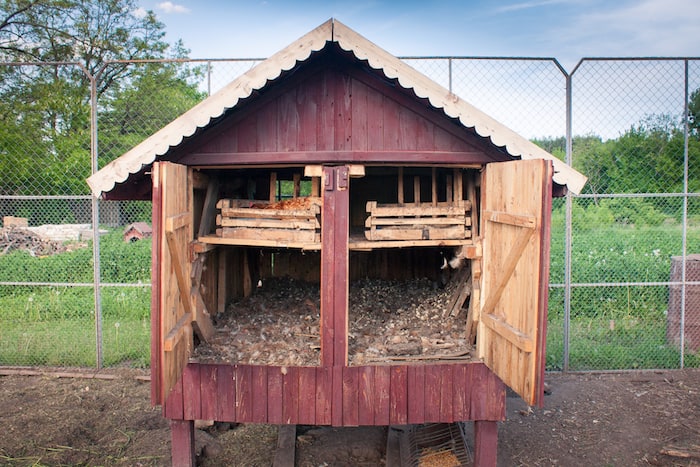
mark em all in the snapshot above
pixel 182 447
pixel 485 443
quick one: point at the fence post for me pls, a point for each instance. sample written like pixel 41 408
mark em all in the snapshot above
pixel 568 230
pixel 684 252
pixel 95 223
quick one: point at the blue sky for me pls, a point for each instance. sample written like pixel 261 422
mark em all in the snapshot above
pixel 563 29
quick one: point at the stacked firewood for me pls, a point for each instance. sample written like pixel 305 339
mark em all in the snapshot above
pixel 17 238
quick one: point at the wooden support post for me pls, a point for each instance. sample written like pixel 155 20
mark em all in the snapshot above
pixel 297 185
pixel 458 186
pixel 315 186
pixel 286 444
pixel 400 187
pixel 247 280
pixel 471 196
pixel 448 189
pixel 221 287
pixel 433 183
pixel 416 190
pixel 207 222
pixel 273 187
pixel 182 443
pixel 485 443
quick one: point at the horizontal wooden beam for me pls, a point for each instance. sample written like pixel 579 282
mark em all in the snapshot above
pixel 354 170
pixel 470 250
pixel 403 157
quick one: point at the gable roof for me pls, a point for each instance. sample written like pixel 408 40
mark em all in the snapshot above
pixel 255 79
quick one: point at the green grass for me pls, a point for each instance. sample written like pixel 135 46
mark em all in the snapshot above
pixel 52 326
pixel 628 344
pixel 55 325
pixel 622 326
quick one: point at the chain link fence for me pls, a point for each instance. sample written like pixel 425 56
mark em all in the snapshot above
pixel 620 296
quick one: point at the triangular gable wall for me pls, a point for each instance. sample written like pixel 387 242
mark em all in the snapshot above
pixel 335 113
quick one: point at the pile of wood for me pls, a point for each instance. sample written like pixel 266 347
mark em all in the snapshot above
pixel 293 220
pixel 279 324
pixel 422 221
pixel 17 238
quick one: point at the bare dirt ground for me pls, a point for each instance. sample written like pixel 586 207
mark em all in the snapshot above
pixel 617 419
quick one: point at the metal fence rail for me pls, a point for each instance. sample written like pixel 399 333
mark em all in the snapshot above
pixel 625 291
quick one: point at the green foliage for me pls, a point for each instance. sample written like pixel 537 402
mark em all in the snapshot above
pixel 694 113
pixel 648 158
pixel 125 262
pixel 156 94
pixel 45 119
pixel 634 211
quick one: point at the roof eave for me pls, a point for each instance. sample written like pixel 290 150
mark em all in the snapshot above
pixel 145 153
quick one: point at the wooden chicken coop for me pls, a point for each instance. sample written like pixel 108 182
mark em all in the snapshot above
pixel 338 240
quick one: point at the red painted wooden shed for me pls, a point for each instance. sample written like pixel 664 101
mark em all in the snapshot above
pixel 387 167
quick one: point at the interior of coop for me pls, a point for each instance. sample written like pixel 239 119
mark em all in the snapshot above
pixel 401 304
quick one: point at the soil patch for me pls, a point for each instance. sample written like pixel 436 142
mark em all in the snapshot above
pixel 640 418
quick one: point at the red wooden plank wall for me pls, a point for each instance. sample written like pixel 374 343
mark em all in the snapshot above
pixel 334 111
pixel 368 395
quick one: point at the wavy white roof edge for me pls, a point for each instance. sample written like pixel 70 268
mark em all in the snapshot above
pixel 242 87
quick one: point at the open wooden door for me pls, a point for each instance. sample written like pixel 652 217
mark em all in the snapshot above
pixel 516 212
pixel 171 302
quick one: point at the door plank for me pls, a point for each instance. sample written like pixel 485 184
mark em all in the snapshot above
pixel 516 205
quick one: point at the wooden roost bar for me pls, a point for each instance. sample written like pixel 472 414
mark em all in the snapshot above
pixel 336 165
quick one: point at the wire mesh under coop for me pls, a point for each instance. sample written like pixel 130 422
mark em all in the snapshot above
pixel 436 445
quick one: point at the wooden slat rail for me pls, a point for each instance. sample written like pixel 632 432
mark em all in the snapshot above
pixel 269 223
pixel 269 213
pixel 255 220
pixel 418 221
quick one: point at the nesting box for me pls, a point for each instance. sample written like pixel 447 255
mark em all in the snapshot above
pixel 336 165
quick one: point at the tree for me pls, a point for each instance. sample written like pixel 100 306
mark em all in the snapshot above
pixel 45 110
pixel 694 113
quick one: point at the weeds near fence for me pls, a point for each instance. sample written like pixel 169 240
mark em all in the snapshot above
pixel 55 325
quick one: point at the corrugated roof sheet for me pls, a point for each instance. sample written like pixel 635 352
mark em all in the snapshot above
pixel 332 30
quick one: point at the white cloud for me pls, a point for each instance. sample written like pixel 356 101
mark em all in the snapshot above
pixel 170 7
pixel 527 5
pixel 647 27
pixel 140 13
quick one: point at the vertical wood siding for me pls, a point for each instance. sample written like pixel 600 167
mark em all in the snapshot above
pixel 369 395
pixel 334 111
